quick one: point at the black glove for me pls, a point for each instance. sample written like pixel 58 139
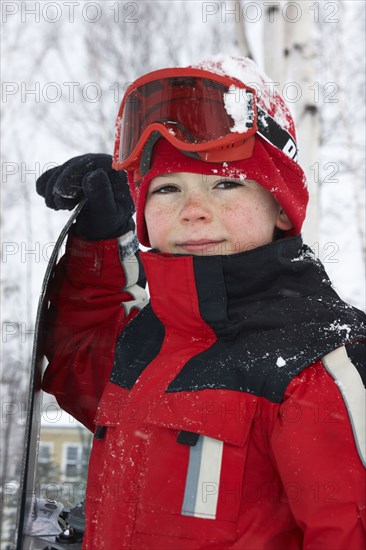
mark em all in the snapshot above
pixel 108 211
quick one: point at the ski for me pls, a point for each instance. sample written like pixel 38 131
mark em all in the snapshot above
pixel 23 540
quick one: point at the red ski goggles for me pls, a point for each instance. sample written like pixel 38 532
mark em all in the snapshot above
pixel 208 116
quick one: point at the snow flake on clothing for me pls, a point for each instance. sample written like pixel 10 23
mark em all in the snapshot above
pixel 243 117
pixel 307 254
pixel 338 327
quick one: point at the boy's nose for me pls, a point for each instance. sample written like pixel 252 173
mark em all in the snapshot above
pixel 195 209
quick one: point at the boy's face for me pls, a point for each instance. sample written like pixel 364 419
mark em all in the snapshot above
pixel 208 215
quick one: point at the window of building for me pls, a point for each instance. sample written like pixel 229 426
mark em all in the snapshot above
pixel 75 460
pixel 45 453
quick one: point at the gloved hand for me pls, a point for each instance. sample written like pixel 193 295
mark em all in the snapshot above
pixel 108 211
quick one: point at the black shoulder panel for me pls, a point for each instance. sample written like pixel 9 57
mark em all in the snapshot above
pixel 138 344
pixel 262 364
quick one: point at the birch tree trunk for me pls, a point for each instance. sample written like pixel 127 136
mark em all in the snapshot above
pixel 273 43
pixel 300 52
pixel 347 121
pixel 240 30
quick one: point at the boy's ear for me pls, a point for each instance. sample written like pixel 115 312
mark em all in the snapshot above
pixel 283 222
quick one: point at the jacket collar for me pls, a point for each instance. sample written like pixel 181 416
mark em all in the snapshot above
pixel 232 290
pixel 247 322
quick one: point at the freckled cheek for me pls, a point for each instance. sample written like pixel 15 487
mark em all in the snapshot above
pixel 158 222
pixel 247 221
pixel 233 213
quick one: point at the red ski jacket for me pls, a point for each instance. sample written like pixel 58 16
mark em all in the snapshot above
pixel 227 411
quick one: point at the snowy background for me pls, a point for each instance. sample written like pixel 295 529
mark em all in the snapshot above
pixel 65 66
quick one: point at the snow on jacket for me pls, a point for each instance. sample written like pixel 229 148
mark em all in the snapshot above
pixel 227 411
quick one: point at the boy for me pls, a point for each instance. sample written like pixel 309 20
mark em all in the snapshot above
pixel 227 410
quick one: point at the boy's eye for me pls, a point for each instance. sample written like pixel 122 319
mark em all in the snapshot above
pixel 228 184
pixel 164 189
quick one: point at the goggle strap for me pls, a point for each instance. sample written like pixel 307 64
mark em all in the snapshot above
pixel 145 162
pixel 272 132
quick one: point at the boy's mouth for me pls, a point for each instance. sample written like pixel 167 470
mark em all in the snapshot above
pixel 200 245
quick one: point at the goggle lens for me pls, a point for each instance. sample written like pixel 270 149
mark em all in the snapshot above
pixel 195 111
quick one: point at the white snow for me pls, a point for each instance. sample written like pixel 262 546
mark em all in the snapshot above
pixel 306 255
pixel 236 104
pixel 280 362
pixel 336 326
